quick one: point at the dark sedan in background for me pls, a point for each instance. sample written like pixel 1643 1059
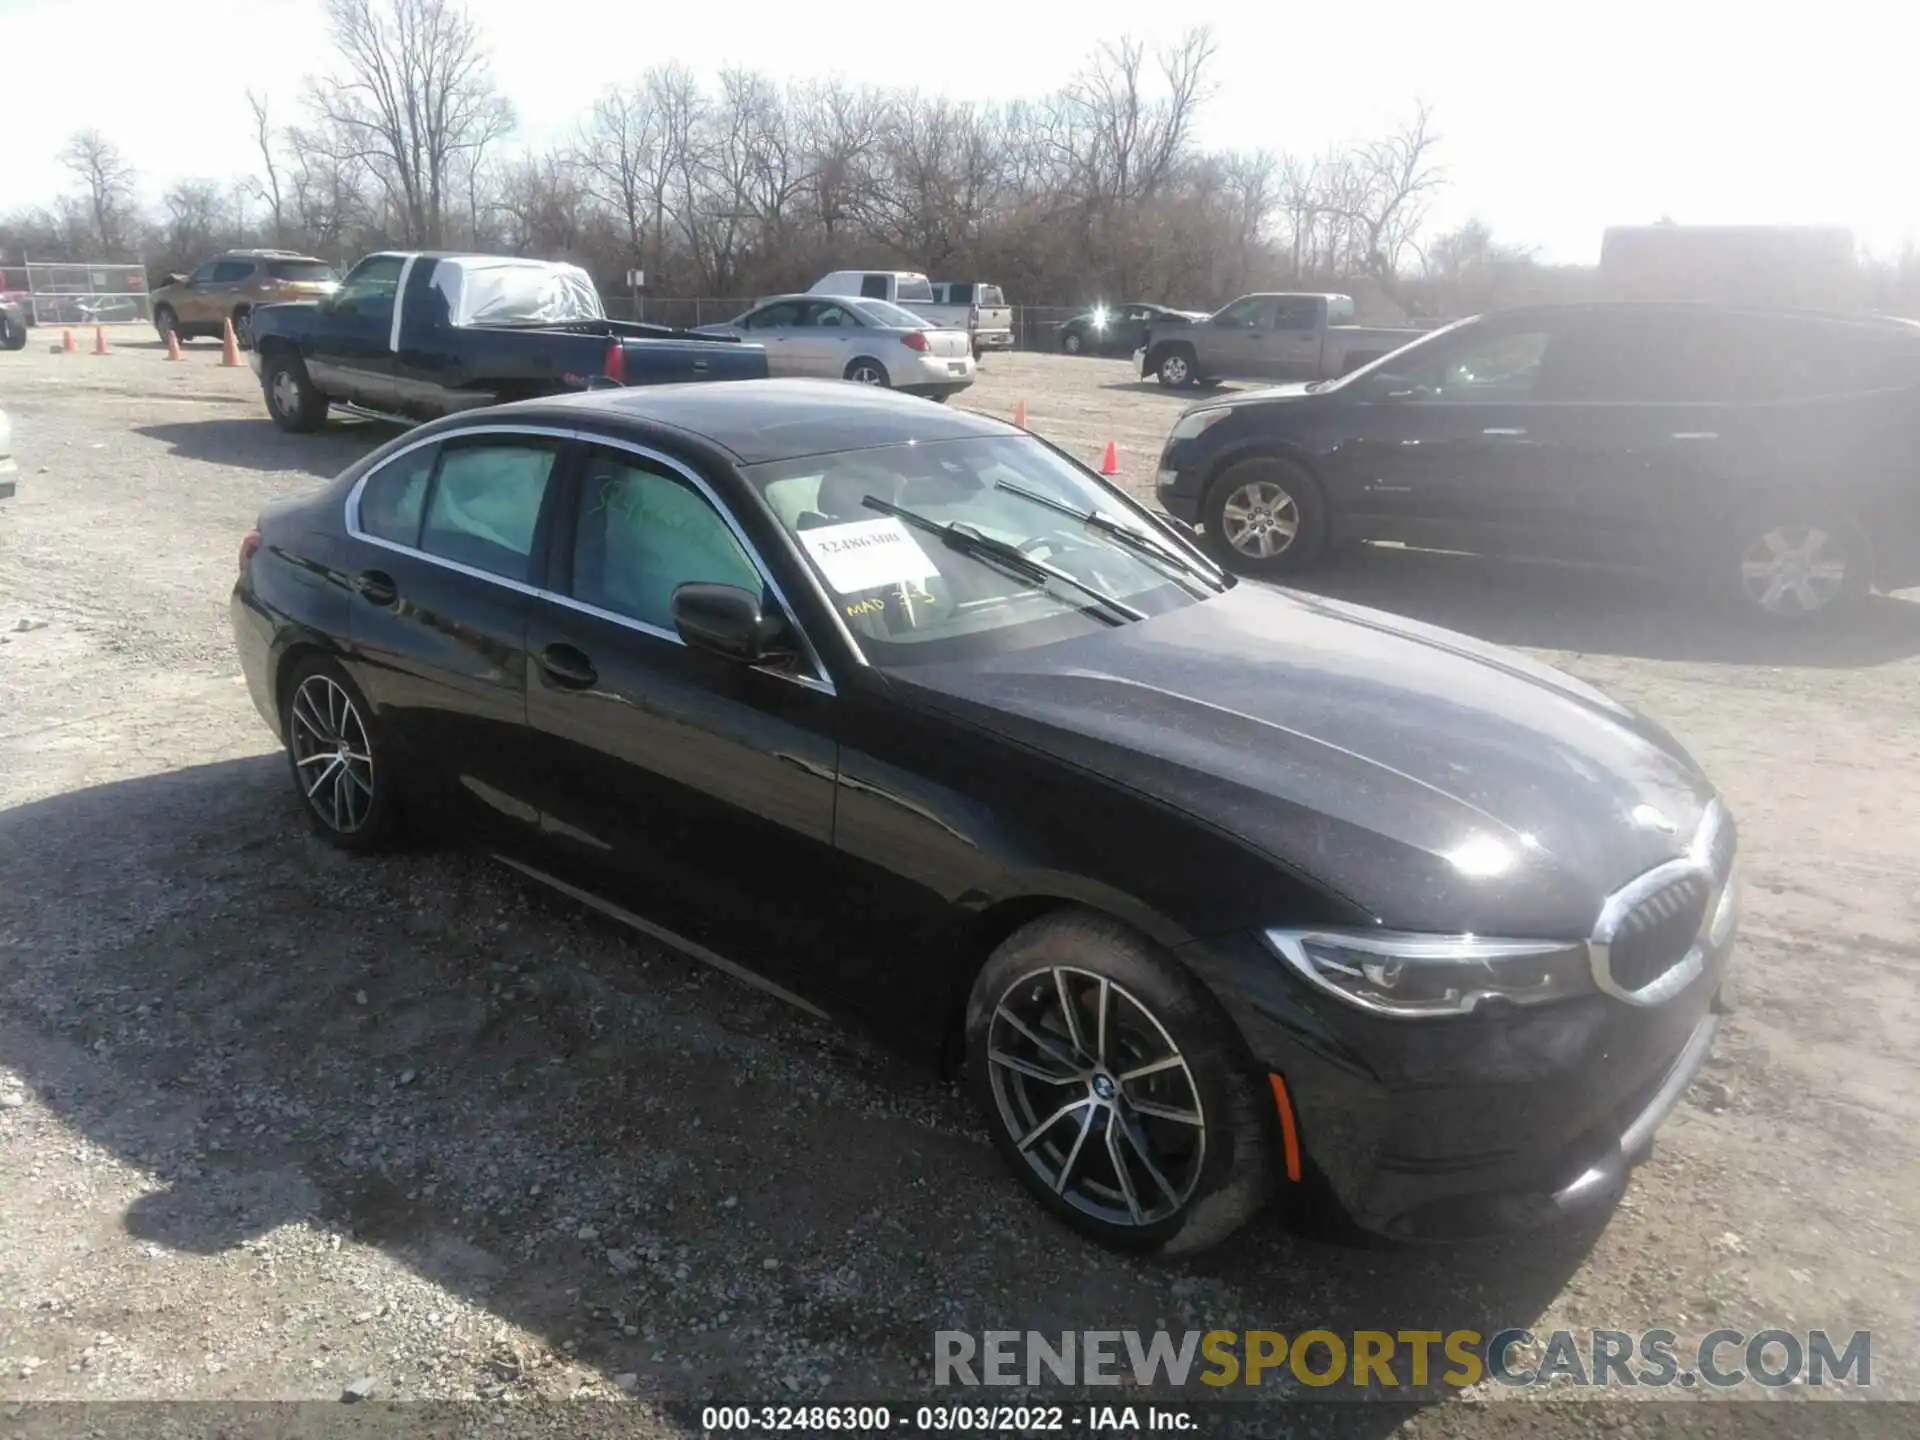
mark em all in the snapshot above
pixel 1771 457
pixel 1117 329
pixel 1213 891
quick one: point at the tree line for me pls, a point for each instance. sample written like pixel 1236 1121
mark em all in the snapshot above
pixel 750 185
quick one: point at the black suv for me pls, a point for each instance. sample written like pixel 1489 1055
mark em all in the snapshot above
pixel 1774 456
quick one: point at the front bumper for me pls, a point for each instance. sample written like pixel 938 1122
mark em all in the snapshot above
pixel 1477 1125
pixel 1179 482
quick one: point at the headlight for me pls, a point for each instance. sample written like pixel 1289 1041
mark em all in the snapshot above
pixel 1406 975
pixel 1194 422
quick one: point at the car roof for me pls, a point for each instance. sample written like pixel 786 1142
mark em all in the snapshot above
pixel 762 420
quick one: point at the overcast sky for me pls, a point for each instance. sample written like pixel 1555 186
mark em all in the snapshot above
pixel 1558 117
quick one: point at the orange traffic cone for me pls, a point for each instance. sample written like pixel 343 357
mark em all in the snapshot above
pixel 1110 464
pixel 66 343
pixel 229 346
pixel 1020 414
pixel 173 347
pixel 100 340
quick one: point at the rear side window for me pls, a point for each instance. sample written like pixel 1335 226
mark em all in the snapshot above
pixel 394 497
pixel 229 272
pixel 307 272
pixel 874 287
pixel 1296 314
pixel 914 292
pixel 484 505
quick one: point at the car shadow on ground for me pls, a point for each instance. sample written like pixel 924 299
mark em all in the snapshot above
pixel 649 1166
pixel 256 443
pixel 1589 610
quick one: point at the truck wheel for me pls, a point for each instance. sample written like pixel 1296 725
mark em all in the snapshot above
pixel 1071 342
pixel 13 332
pixel 293 402
pixel 866 371
pixel 1177 368
pixel 1265 518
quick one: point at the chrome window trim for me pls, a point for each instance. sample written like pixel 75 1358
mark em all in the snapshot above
pixel 1696 863
pixel 819 680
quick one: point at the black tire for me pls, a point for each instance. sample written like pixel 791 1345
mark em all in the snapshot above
pixel 1251 505
pixel 293 402
pixel 13 331
pixel 1797 563
pixel 1072 343
pixel 164 320
pixel 865 370
pixel 1219 1173
pixel 357 808
pixel 243 327
pixel 1176 367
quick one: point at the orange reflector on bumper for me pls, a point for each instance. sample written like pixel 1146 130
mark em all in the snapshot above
pixel 1289 1136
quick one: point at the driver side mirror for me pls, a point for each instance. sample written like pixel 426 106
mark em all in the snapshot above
pixel 729 622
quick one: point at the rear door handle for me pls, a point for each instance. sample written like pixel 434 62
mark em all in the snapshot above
pixel 567 667
pixel 376 587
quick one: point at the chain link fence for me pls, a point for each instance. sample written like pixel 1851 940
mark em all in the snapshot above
pixel 79 293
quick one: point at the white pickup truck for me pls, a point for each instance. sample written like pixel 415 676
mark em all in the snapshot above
pixel 979 309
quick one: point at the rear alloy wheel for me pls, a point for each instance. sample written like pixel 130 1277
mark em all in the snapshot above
pixel 1115 1088
pixel 1264 517
pixel 868 372
pixel 336 758
pixel 1072 343
pixel 1803 569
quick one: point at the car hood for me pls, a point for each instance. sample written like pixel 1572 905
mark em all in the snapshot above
pixel 1434 781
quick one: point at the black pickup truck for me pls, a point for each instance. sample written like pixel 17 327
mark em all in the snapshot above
pixel 411 335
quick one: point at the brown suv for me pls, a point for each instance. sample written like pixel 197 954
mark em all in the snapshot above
pixel 231 284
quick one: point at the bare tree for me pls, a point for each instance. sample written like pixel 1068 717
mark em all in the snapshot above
pixel 109 182
pixel 414 100
pixel 267 186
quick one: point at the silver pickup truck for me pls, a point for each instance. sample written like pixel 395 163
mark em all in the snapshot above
pixel 1267 337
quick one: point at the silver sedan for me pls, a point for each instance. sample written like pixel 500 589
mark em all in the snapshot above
pixel 872 342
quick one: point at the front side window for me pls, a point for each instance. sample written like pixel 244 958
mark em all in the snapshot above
pixel 231 272
pixel 772 317
pixel 643 532
pixel 394 498
pixel 369 289
pixel 1501 366
pixel 204 275
pixel 912 290
pixel 909 597
pixel 1248 312
pixel 484 504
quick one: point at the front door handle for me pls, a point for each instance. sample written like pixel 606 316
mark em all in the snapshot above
pixel 376 587
pixel 566 666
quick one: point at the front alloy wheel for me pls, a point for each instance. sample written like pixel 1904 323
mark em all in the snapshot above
pixel 1794 571
pixel 1116 1087
pixel 1260 520
pixel 1097 1097
pixel 1175 370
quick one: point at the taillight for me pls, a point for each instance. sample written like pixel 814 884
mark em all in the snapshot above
pixel 973 317
pixel 616 370
pixel 249 544
pixel 915 340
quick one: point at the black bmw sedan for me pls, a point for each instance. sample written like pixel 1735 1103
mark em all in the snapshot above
pixel 1211 890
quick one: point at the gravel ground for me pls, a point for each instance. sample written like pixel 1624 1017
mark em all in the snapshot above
pixel 278 1124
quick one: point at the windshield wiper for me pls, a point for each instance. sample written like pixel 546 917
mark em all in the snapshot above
pixel 969 541
pixel 1133 539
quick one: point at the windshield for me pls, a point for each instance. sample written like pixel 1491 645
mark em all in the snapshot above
pixel 529 292
pixel 909 597
pixel 886 313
